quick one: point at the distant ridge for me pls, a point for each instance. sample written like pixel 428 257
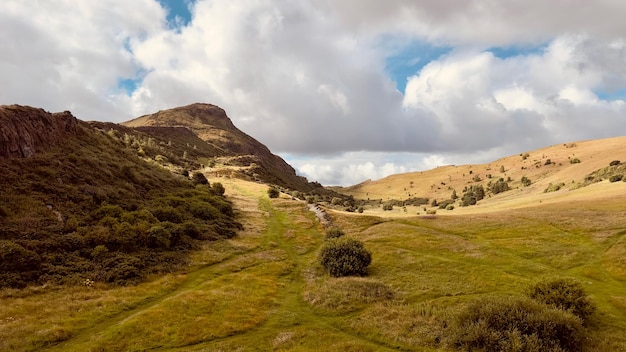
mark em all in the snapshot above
pixel 571 166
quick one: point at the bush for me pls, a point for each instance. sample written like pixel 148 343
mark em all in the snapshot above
pixel 198 178
pixel 334 232
pixel 273 192
pixel 565 294
pixel 444 204
pixel 614 163
pixel 472 195
pixel 554 187
pixel 218 188
pixel 344 256
pixel 388 206
pixel 574 161
pixel 516 324
pixel 526 181
pixel 616 178
pixel 500 186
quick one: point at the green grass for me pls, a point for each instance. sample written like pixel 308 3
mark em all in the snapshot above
pixel 264 290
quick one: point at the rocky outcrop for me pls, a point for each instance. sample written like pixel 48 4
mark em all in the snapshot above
pixel 25 130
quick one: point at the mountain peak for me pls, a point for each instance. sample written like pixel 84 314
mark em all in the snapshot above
pixel 211 124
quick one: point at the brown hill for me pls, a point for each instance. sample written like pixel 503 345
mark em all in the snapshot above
pixel 25 130
pixel 78 201
pixel 232 146
pixel 577 167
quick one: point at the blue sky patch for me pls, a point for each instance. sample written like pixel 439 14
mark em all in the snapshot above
pixel 178 12
pixel 505 52
pixel 129 85
pixel 410 59
pixel 609 95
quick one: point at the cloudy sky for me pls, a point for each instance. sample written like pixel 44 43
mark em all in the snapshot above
pixel 344 90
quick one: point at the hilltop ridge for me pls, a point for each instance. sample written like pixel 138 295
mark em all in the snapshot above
pixel 247 156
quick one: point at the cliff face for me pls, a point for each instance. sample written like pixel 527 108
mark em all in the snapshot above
pixel 25 130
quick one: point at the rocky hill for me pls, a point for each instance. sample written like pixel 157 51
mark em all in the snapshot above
pixel 25 130
pixel 78 201
pixel 246 156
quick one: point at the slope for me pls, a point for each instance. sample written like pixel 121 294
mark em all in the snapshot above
pixel 77 203
pixel 247 156
pixel 570 165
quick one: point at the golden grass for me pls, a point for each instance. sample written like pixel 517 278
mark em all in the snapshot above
pixel 438 183
pixel 264 290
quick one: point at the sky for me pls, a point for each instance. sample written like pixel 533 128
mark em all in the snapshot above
pixel 343 90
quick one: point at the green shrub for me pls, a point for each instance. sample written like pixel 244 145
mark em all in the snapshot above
pixel 360 210
pixel 334 232
pixel 388 206
pixel 198 178
pixel 516 324
pixel 218 188
pixel 344 256
pixel 472 195
pixel 18 265
pixel 565 294
pixel 554 187
pixel 444 204
pixel 499 186
pixel 616 178
pixel 526 181
pixel 273 192
pixel 574 161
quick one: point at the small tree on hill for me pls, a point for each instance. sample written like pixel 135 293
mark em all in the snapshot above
pixel 500 186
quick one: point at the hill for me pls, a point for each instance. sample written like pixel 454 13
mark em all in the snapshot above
pixel 77 202
pixel 558 173
pixel 235 152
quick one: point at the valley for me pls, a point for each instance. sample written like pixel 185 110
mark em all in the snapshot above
pixel 263 290
pixel 164 236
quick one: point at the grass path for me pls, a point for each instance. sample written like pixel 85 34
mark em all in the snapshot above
pixel 279 256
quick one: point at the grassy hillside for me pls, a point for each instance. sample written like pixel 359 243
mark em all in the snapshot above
pixel 570 165
pixel 91 209
pixel 263 290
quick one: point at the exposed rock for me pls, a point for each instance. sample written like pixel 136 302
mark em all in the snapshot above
pixel 25 130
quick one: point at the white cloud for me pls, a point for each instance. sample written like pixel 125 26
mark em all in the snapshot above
pixel 308 77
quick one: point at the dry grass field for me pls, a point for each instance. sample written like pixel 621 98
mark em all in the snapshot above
pixel 264 290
